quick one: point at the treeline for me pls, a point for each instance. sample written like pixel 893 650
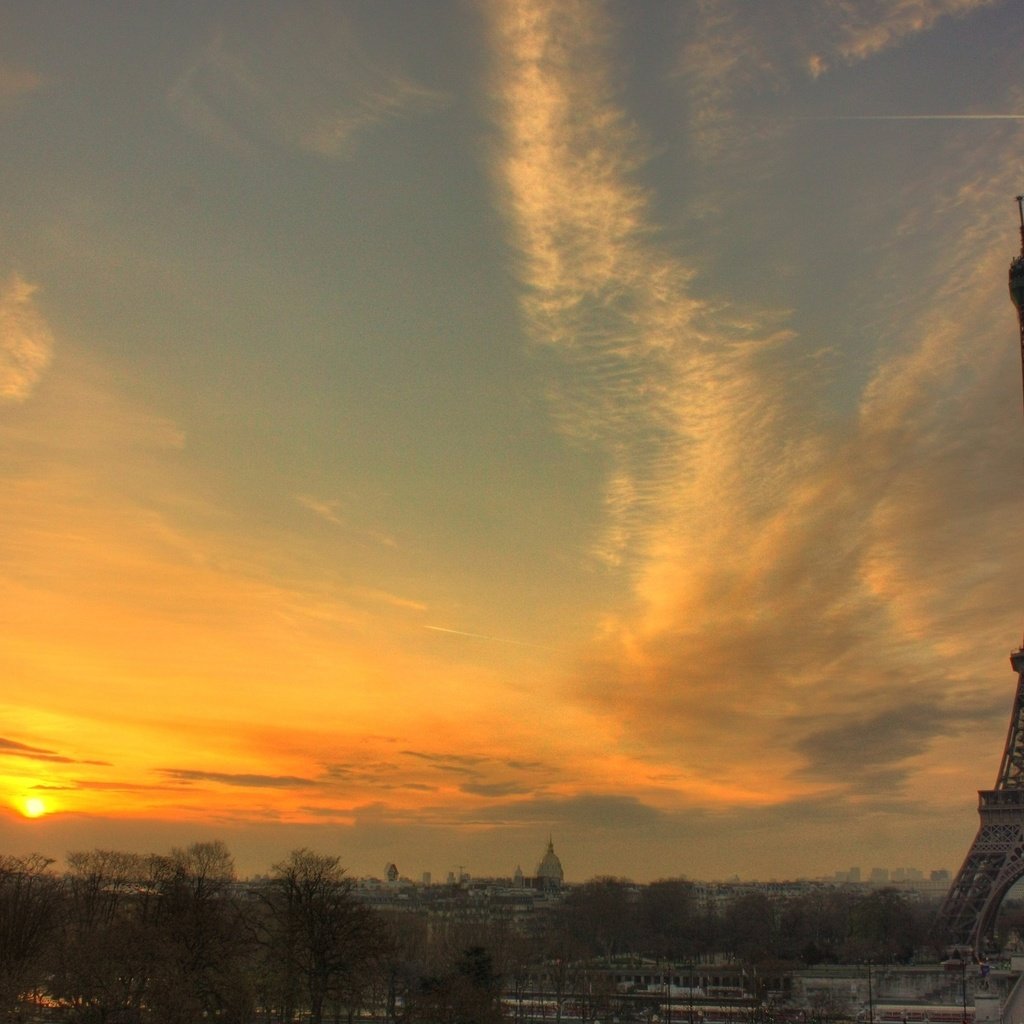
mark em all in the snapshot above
pixel 122 938
pixel 607 917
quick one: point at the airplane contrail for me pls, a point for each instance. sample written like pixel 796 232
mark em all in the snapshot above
pixel 912 117
pixel 494 639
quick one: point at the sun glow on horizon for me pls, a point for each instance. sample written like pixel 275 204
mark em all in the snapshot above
pixel 33 807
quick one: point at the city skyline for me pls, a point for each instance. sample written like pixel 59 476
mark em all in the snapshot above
pixel 429 429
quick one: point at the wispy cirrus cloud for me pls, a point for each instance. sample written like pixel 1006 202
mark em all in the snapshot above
pixel 26 340
pixel 766 536
pixel 328 510
pixel 863 29
pixel 665 386
pixel 597 293
pixel 725 53
pixel 332 510
pixel 312 87
pixel 730 54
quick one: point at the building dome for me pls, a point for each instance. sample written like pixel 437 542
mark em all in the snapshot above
pixel 549 871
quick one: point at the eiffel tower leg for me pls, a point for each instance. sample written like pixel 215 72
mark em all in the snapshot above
pixel 996 857
pixel 993 864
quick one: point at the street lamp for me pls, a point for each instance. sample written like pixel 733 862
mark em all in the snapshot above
pixel 963 986
pixel 668 991
pixel 959 959
pixel 690 990
pixel 871 998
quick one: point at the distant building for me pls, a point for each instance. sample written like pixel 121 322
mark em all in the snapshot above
pixel 549 870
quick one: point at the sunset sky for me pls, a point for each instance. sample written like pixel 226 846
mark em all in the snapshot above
pixel 427 428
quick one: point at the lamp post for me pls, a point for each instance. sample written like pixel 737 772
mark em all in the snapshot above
pixel 963 987
pixel 959 959
pixel 871 998
pixel 668 992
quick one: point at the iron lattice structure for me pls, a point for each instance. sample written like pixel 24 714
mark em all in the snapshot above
pixel 995 860
pixel 996 857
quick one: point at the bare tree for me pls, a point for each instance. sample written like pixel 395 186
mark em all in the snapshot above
pixel 207 935
pixel 29 904
pixel 603 916
pixel 317 937
pixel 670 919
pixel 102 964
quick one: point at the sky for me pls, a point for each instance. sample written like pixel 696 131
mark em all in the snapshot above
pixel 431 429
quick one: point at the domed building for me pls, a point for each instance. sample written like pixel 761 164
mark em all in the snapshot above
pixel 549 870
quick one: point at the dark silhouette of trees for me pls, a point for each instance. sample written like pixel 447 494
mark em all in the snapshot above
pixel 749 928
pixel 29 905
pixel 602 916
pixel 560 948
pixel 203 936
pixel 1010 922
pixel 104 949
pixel 468 992
pixel 476 988
pixel 171 939
pixel 671 923
pixel 813 928
pixel 883 927
pixel 316 937
pixel 155 936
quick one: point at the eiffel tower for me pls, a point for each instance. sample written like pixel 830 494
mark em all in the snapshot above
pixel 995 860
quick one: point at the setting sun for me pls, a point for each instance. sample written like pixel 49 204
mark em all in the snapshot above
pixel 33 807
